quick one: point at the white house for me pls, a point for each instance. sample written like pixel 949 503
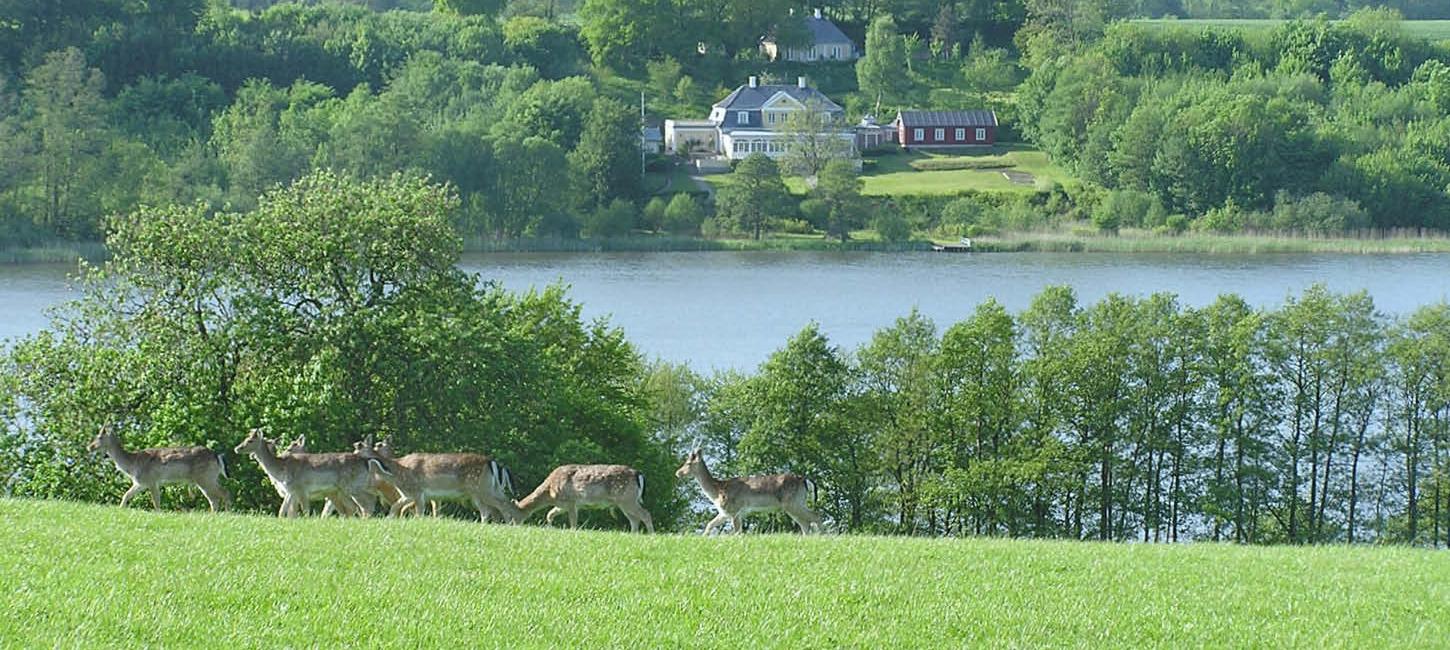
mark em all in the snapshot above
pixel 752 120
pixel 828 43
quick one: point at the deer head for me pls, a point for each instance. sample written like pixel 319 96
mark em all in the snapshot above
pixel 691 462
pixel 104 436
pixel 255 443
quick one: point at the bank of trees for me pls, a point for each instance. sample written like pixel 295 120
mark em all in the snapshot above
pixel 1128 419
pixel 1312 126
pixel 333 308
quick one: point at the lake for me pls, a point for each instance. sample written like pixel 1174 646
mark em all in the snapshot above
pixel 732 309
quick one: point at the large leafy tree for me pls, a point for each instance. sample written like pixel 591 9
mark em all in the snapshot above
pixel 606 164
pixel 881 72
pixel 335 309
pixel 757 195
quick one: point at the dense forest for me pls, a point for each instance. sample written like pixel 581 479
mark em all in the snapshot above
pixel 334 309
pixel 1311 125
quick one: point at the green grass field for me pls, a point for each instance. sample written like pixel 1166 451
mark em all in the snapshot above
pixel 1434 30
pixel 94 576
pixel 893 175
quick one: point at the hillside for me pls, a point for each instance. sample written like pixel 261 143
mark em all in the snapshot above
pixel 100 576
pixel 1434 30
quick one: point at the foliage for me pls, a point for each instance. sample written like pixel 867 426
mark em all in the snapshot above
pixel 333 309
pixel 757 196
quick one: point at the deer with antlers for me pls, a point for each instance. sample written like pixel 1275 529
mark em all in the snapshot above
pixel 569 487
pixel 421 478
pixel 736 497
pixel 149 469
pixel 301 476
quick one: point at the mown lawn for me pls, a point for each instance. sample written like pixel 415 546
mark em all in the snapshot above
pixel 1434 30
pixel 892 174
pixel 93 576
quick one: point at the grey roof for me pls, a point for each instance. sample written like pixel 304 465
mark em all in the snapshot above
pixel 746 98
pixel 947 118
pixel 823 31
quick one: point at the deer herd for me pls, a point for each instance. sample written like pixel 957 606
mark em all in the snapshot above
pixel 371 476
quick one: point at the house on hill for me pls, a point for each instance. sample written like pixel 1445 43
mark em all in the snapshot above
pixel 752 119
pixel 928 129
pixel 828 43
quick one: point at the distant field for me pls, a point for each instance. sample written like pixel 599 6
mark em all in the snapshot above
pixel 893 175
pixel 1434 30
pixel 98 576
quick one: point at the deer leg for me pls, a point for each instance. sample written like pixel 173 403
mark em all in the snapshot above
pixel 637 514
pixel 482 509
pixel 716 523
pixel 156 496
pixel 126 498
pixel 286 509
pixel 551 514
pixel 435 508
pixel 574 516
pixel 209 490
pixel 739 528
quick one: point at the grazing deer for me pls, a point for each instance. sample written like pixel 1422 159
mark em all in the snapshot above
pixel 149 469
pixel 736 497
pixel 301 476
pixel 423 477
pixel 570 486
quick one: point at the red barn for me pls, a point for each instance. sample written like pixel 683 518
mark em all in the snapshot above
pixel 946 128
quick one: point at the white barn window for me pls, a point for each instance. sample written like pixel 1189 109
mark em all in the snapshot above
pixel 743 117
pixel 961 135
pixel 981 135
pixel 939 134
pixel 918 134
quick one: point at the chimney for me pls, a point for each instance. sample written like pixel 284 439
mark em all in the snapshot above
pixel 754 81
pixel 818 13
pixel 800 82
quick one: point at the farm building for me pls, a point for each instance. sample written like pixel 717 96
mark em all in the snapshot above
pixel 946 128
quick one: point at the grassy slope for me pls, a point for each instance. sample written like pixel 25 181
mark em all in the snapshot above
pixel 97 575
pixel 892 174
pixel 1434 30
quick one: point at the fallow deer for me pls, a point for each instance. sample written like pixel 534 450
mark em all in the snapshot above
pixel 422 478
pixel 301 476
pixel 736 497
pixel 149 469
pixel 570 486
pixel 378 490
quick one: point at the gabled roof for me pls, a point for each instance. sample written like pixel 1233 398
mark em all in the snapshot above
pixel 947 118
pixel 746 98
pixel 824 32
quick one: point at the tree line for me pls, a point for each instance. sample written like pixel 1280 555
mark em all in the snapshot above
pixel 1318 421
pixel 1313 126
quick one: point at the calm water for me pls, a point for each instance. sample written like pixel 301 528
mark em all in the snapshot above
pixel 730 310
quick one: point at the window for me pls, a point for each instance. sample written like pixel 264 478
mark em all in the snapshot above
pixel 981 135
pixel 739 147
pixel 743 117
pixel 918 134
pixel 961 135
pixel 939 134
